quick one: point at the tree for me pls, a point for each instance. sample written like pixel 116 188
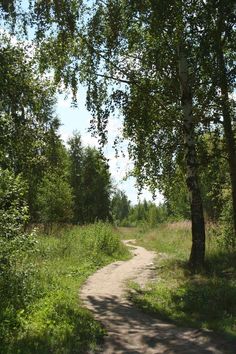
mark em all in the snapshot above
pixel 142 50
pixel 96 186
pixel 138 214
pixel 27 117
pixel 120 206
pixel 76 155
pixel 90 181
pixel 153 215
pixel 54 199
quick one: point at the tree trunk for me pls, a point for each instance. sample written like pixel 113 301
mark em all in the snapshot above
pixel 197 255
pixel 227 124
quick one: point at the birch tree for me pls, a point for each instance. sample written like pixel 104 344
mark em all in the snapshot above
pixel 140 63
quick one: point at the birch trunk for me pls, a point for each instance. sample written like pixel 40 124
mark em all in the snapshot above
pixel 197 255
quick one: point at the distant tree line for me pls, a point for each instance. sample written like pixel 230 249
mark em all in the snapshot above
pixel 143 213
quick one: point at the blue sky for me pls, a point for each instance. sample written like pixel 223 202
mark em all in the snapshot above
pixel 78 119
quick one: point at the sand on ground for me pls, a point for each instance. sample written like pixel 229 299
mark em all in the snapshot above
pixel 131 331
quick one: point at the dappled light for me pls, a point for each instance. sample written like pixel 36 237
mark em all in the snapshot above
pixel 146 334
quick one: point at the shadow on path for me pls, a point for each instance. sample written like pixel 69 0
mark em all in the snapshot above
pixel 131 331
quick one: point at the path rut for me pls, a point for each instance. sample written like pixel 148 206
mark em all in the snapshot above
pixel 128 329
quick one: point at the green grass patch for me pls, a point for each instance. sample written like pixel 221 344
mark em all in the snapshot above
pixel 206 300
pixel 53 320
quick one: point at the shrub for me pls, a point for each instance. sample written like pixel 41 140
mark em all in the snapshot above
pixel 13 208
pixel 101 238
pixel 16 271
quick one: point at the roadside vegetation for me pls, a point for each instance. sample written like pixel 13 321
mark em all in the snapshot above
pixel 40 308
pixel 203 300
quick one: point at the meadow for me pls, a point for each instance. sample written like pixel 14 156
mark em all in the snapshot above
pixel 43 313
pixel 205 300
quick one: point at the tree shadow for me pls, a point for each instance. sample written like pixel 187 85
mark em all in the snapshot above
pixel 132 331
pixel 221 264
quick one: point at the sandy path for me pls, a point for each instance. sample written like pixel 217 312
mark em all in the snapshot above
pixel 130 330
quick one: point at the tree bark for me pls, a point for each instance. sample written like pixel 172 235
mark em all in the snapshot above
pixel 197 255
pixel 227 124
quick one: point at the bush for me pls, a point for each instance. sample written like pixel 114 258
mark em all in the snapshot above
pixel 101 238
pixel 13 208
pixel 17 287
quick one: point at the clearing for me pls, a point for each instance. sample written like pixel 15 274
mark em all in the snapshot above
pixel 128 329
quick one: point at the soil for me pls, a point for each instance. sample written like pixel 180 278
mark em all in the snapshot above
pixel 129 330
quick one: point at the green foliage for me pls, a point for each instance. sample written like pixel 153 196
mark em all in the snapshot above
pixel 28 125
pixel 96 187
pixel 100 238
pixel 51 319
pixel 17 273
pixel 226 234
pixel 17 281
pixel 120 206
pixel 75 175
pixel 90 182
pixel 146 214
pixel 206 300
pixel 54 199
pixel 114 47
pixel 13 208
pixel 214 174
pixel 176 195
pixel 56 323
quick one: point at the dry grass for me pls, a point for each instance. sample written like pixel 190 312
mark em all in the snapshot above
pixel 179 225
pixel 128 232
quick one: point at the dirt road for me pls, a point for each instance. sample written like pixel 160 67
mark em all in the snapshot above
pixel 132 331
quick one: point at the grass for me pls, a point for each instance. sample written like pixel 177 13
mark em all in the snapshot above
pixel 53 320
pixel 205 300
pixel 128 233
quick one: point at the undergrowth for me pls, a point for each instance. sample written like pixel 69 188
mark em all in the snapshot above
pixel 52 320
pixel 205 300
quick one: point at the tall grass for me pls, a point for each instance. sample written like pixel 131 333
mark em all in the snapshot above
pixel 206 300
pixel 54 321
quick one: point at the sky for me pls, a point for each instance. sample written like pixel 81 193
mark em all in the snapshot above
pixel 78 119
